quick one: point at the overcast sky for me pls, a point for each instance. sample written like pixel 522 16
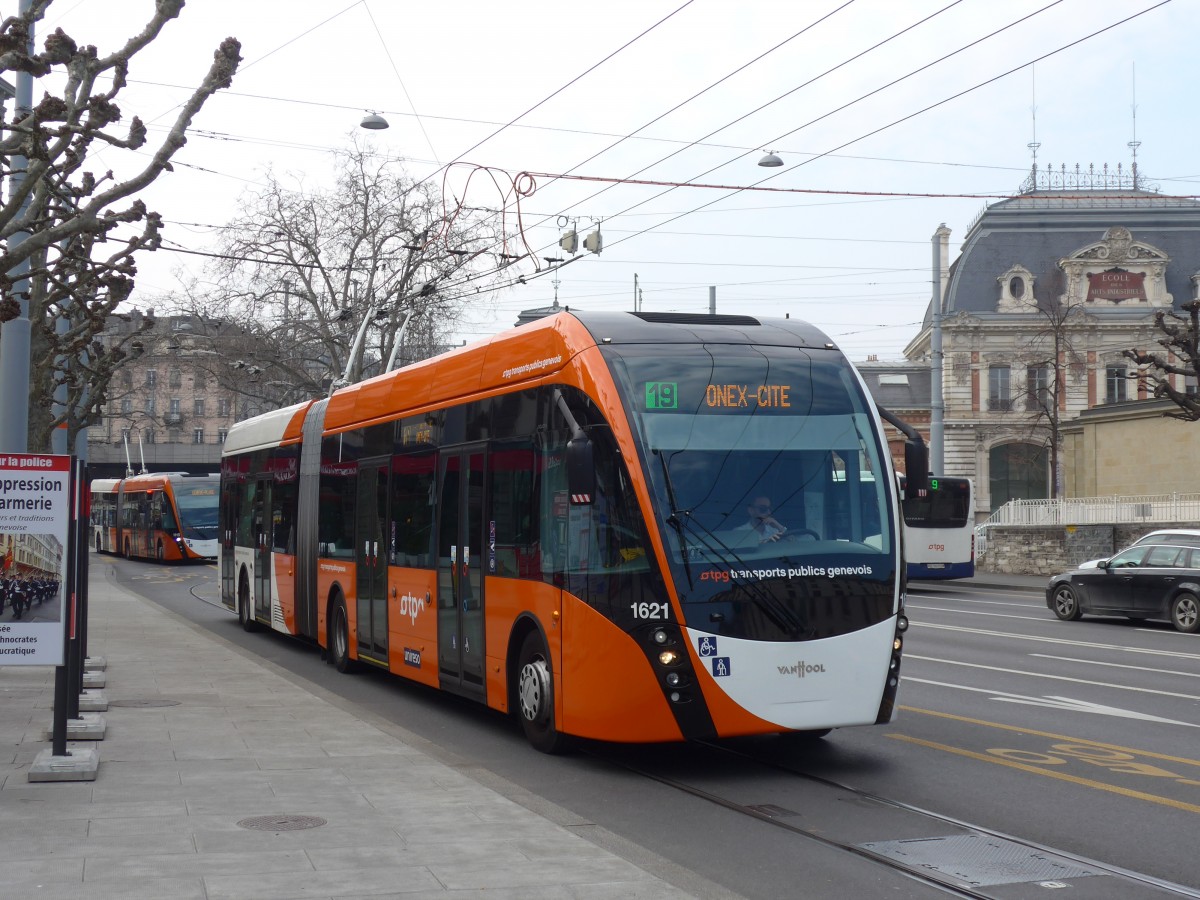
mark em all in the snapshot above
pixel 836 241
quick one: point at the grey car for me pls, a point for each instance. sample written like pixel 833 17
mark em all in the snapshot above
pixel 1146 581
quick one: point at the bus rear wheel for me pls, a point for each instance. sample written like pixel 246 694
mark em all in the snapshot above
pixel 339 636
pixel 245 613
pixel 535 696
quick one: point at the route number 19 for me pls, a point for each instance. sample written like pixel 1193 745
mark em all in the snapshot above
pixel 662 395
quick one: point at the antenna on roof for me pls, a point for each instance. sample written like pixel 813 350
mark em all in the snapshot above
pixel 1033 145
pixel 1135 143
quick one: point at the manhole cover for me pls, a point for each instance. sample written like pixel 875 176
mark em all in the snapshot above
pixel 979 859
pixel 145 703
pixel 281 823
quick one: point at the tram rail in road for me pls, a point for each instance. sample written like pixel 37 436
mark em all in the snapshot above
pixel 958 857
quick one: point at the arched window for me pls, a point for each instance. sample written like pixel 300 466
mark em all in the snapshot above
pixel 1018 472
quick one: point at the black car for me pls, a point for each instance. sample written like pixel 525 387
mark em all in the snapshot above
pixel 1147 581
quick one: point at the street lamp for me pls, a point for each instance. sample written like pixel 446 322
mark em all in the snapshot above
pixel 770 161
pixel 373 122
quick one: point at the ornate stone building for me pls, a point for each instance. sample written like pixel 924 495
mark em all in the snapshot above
pixel 1048 289
pixel 172 403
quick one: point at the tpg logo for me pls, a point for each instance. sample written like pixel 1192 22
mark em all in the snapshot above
pixel 410 606
pixel 801 669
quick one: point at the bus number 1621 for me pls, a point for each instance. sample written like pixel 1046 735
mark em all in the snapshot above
pixel 651 610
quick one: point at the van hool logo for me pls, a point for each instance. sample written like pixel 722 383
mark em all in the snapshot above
pixel 801 669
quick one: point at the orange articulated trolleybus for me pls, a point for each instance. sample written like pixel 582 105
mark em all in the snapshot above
pixel 566 522
pixel 170 517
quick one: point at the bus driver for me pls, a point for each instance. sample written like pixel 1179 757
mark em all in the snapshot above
pixel 762 523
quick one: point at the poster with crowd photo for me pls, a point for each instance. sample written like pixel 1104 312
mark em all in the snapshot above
pixel 35 511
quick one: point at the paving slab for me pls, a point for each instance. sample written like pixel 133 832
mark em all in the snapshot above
pixel 204 744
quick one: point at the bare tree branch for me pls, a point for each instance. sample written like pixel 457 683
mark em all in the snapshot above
pixel 1181 340
pixel 305 269
pixel 65 212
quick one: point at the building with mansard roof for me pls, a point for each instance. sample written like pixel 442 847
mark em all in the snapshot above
pixel 1048 288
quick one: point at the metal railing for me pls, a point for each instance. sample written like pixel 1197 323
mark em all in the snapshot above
pixel 1098 510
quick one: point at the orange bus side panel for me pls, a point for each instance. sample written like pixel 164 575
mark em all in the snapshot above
pixel 504 600
pixel 338 572
pixel 412 624
pixel 535 351
pixel 172 552
pixel 284 568
pixel 609 690
pixel 529 353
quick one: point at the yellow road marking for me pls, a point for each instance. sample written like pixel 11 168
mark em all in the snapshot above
pixel 1061 776
pixel 1050 734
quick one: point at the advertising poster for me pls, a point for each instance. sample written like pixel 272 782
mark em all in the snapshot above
pixel 35 508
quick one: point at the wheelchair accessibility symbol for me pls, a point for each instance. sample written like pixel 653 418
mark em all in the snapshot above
pixel 708 646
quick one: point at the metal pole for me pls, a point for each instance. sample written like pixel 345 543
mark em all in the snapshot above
pixel 62 325
pixel 391 363
pixel 937 404
pixel 74 657
pixel 81 578
pixel 712 300
pixel 15 333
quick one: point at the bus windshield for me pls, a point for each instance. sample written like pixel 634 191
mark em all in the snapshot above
pixel 767 476
pixel 197 510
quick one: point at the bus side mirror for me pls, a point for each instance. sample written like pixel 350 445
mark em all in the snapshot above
pixel 581 470
pixel 916 468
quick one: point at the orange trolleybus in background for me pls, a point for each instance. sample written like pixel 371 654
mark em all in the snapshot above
pixel 171 517
pixel 564 522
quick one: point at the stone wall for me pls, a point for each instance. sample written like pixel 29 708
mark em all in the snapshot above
pixel 1128 449
pixel 1019 550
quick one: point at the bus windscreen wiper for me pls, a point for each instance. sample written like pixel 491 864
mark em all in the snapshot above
pixel 674 519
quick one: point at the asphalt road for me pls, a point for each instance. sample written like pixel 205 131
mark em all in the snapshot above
pixel 1079 737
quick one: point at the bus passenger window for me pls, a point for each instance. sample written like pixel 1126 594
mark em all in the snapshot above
pixel 245 535
pixel 515 476
pixel 283 530
pixel 411 532
pixel 335 526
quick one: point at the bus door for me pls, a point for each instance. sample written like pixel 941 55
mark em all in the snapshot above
pixel 371 558
pixel 229 517
pixel 460 571
pixel 262 522
pixel 155 524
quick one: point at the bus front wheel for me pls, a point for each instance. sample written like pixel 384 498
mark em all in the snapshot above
pixel 339 636
pixel 535 696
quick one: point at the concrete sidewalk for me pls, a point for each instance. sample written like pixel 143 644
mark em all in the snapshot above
pixel 995 580
pixel 220 778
